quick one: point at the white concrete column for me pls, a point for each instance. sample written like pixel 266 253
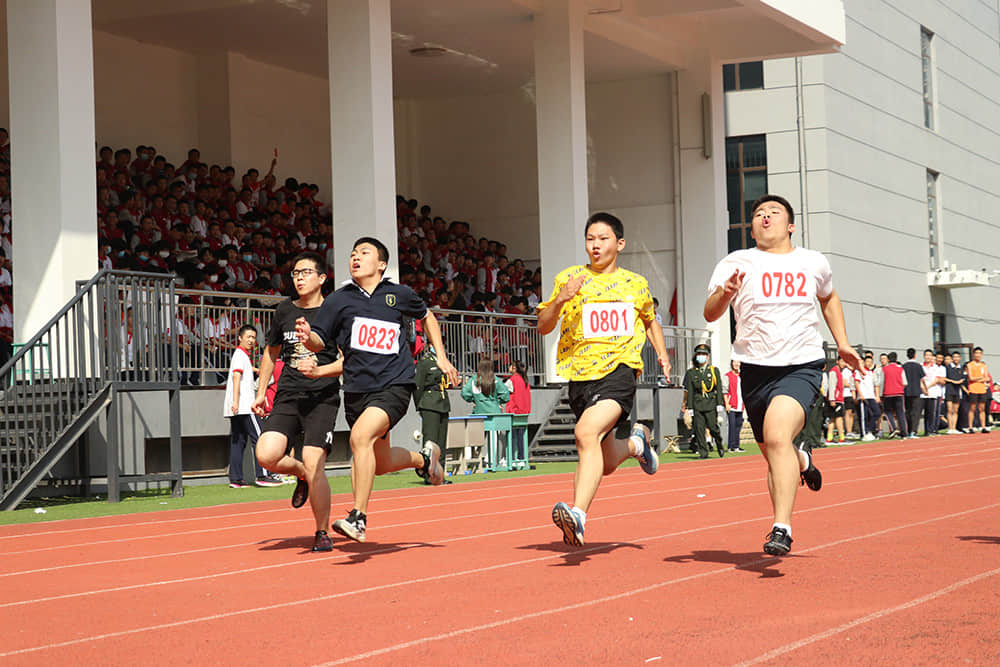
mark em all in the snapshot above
pixel 361 127
pixel 215 135
pixel 561 119
pixel 54 198
pixel 704 219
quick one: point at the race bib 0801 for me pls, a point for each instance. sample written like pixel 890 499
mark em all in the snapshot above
pixel 614 318
pixel 776 286
pixel 376 336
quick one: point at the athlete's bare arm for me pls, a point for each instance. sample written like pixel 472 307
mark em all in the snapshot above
pixel 548 317
pixel 718 301
pixel 307 336
pixel 655 335
pixel 433 331
pixel 833 313
pixel 271 353
pixel 308 367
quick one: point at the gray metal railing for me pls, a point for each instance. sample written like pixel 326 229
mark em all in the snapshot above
pixel 680 343
pixel 58 382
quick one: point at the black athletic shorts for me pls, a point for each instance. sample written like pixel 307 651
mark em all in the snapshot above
pixel 394 400
pixel 848 403
pixel 979 399
pixel 311 414
pixel 618 385
pixel 762 383
pixel 833 411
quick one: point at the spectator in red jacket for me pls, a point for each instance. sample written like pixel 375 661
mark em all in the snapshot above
pixel 519 404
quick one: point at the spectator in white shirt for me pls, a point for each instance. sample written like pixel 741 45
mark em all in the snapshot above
pixel 932 389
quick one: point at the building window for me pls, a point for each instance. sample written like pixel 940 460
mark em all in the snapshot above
pixel 743 76
pixel 746 180
pixel 933 219
pixel 938 332
pixel 927 66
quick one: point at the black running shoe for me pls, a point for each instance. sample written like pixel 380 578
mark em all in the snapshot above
pixel 353 526
pixel 811 476
pixel 779 542
pixel 301 493
pixel 322 541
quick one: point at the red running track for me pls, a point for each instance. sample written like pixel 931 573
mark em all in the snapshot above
pixel 896 560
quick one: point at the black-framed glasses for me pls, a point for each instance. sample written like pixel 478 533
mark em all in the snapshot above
pixel 303 272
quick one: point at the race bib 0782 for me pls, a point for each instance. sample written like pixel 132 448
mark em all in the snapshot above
pixel 614 318
pixel 368 335
pixel 774 286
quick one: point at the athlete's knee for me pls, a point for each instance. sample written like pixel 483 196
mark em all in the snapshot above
pixel 361 442
pixel 586 436
pixel 268 451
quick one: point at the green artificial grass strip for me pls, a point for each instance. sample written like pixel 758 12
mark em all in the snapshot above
pixel 37 510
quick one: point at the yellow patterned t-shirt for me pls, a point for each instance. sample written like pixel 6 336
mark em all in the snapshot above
pixel 585 354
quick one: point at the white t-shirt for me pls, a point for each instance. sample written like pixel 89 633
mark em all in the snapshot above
pixel 864 381
pixel 931 372
pixel 240 362
pixel 848 382
pixel 776 319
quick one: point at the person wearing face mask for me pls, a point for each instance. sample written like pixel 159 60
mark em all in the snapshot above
pixel 703 400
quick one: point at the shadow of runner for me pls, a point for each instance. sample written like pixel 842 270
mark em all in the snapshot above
pixel 982 539
pixel 750 561
pixel 360 552
pixel 578 555
pixel 303 544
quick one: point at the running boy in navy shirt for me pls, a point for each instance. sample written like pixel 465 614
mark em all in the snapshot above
pixel 365 319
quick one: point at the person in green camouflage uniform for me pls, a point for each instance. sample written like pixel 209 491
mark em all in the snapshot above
pixel 431 399
pixel 703 395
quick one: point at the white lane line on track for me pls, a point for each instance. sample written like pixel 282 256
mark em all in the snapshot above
pixel 655 491
pixel 386 495
pixel 508 621
pixel 874 616
pixel 396 548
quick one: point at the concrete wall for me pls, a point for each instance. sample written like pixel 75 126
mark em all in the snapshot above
pixel 474 158
pixel 867 154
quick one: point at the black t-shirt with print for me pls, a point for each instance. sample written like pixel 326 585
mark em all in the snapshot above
pixel 369 330
pixel 282 332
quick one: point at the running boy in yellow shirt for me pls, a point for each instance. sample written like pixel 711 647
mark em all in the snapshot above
pixel 607 313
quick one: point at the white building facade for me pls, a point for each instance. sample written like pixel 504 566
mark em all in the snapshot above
pixel 890 153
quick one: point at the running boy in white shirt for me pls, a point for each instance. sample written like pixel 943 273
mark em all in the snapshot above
pixel 773 289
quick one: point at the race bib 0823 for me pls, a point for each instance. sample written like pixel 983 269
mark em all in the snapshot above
pixel 376 336
pixel 614 318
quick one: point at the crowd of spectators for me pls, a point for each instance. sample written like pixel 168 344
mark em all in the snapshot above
pixel 452 269
pixel 942 393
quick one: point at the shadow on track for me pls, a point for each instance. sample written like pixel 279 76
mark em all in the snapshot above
pixel 750 561
pixel 982 539
pixel 578 555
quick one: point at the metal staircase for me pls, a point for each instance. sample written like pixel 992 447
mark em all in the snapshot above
pixel 554 440
pixel 60 381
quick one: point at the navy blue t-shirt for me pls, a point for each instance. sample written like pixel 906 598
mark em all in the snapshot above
pixel 368 329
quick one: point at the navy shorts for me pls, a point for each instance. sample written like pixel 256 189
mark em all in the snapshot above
pixel 762 383
pixel 618 385
pixel 394 400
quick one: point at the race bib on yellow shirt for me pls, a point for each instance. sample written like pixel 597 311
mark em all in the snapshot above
pixel 370 335
pixel 614 318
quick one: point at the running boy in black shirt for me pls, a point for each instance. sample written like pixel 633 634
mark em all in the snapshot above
pixel 365 319
pixel 302 405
